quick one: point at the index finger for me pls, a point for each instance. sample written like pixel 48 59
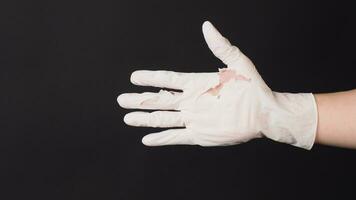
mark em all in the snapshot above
pixel 161 78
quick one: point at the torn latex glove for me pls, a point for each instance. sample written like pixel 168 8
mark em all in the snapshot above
pixel 229 107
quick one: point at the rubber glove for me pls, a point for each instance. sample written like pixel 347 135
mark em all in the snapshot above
pixel 228 107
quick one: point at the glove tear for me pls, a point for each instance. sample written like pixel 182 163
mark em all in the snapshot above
pixel 226 75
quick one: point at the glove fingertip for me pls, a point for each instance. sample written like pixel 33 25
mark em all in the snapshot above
pixel 206 25
pixel 147 141
pixel 135 76
pixel 129 120
pixel 122 100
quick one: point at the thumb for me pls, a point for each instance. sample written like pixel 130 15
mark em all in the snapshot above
pixel 219 45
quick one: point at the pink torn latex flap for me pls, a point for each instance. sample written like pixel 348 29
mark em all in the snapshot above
pixel 225 75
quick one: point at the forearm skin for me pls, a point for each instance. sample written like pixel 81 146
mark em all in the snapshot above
pixel 337 119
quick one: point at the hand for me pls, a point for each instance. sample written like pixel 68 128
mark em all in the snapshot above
pixel 228 107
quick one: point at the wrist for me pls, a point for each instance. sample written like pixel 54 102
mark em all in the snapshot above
pixel 291 118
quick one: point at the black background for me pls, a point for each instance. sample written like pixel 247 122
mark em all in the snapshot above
pixel 63 63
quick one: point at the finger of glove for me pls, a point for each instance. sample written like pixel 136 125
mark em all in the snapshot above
pixel 168 137
pixel 161 78
pixel 162 100
pixel 157 119
pixel 219 45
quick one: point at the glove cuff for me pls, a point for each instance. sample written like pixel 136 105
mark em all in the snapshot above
pixel 292 118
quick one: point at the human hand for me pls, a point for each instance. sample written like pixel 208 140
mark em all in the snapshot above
pixel 227 107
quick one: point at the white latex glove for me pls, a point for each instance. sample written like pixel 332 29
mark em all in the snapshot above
pixel 228 107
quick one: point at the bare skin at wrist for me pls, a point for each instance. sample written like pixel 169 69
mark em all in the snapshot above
pixel 337 119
